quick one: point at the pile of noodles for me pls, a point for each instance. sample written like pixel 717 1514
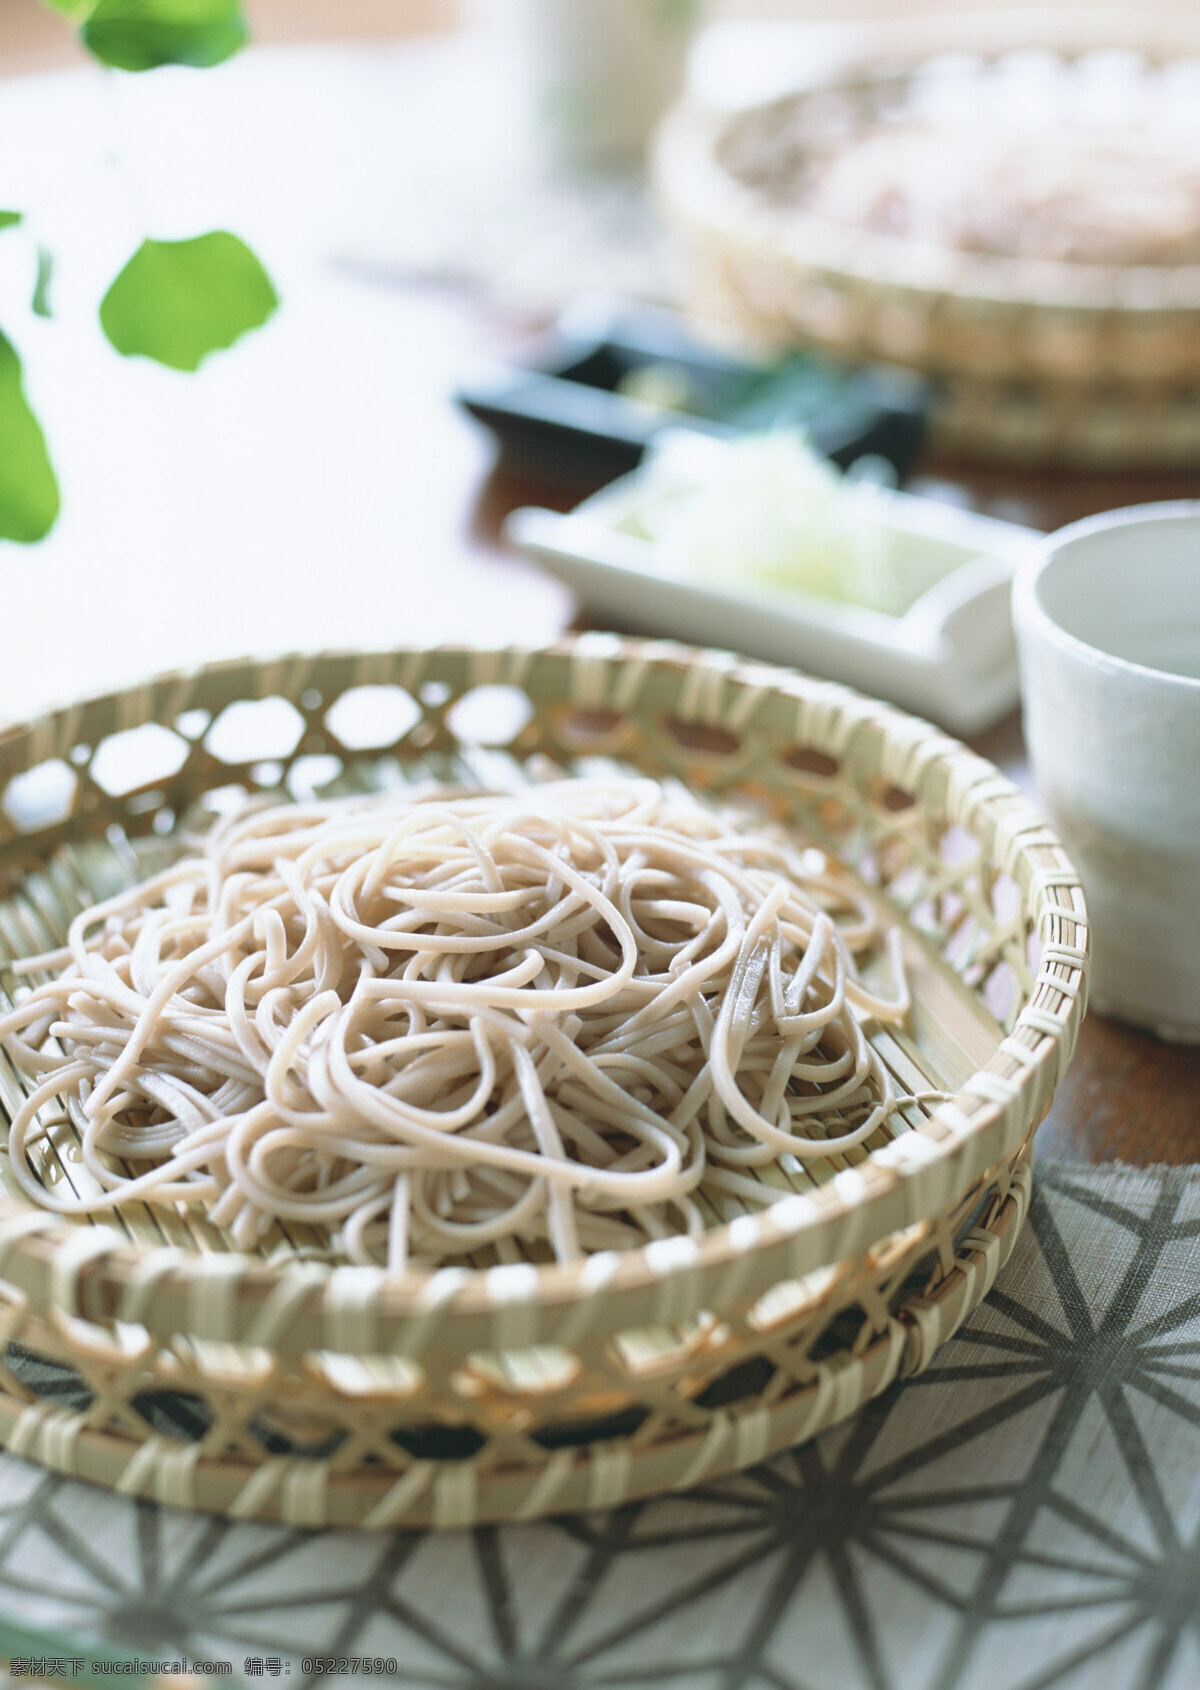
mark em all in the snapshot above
pixel 439 1023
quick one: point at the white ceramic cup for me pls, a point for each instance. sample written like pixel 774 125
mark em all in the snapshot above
pixel 1107 615
pixel 603 72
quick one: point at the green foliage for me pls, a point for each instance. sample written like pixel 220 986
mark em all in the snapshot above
pixel 143 34
pixel 26 1642
pixel 678 14
pixel 29 499
pixel 40 303
pixel 177 301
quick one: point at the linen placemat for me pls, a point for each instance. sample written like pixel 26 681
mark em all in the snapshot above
pixel 1024 1515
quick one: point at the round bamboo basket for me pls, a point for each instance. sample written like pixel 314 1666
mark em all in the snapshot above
pixel 1087 363
pixel 150 1356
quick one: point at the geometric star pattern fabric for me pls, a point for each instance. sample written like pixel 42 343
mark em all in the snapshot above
pixel 1023 1516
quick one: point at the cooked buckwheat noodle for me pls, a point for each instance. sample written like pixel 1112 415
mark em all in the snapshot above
pixel 443 1022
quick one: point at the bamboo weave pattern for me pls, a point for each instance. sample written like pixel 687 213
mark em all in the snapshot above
pixel 276 1384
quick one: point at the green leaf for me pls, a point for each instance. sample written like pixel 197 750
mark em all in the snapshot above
pixel 28 490
pixel 19 1641
pixel 9 219
pixel 678 14
pixel 177 301
pixel 143 34
pixel 76 10
pixel 41 287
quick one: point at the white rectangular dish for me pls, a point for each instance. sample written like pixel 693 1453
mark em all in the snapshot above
pixel 950 657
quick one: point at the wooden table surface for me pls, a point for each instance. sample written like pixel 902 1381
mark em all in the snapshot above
pixel 1128 1096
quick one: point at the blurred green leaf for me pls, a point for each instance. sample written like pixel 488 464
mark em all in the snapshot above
pixel 28 490
pixel 41 287
pixel 678 14
pixel 9 219
pixel 76 10
pixel 143 34
pixel 177 301
pixel 23 1642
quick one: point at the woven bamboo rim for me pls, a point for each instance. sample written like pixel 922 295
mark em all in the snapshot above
pixel 333 1352
pixel 450 1494
pixel 1090 363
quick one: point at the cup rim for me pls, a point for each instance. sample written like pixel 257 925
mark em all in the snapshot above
pixel 1029 613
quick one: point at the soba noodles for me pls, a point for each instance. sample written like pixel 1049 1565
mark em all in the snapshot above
pixel 443 1022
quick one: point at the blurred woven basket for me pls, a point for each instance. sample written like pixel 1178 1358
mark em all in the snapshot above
pixel 1038 358
pixel 152 1357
